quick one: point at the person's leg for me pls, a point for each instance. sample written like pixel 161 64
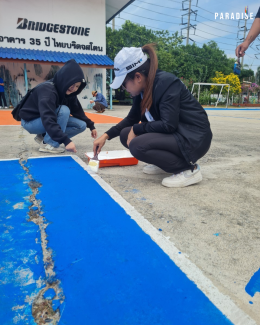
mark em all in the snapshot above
pixel 63 114
pixel 100 108
pixel 36 127
pixel 33 127
pixel 75 126
pixel 96 107
pixel 2 99
pixel 162 151
pixel 3 95
pixel 103 108
pixel 158 149
pixel 124 135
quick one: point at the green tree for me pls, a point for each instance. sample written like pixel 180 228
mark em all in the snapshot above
pixel 129 35
pixel 201 63
pixel 191 62
pixel 247 74
pixel 257 76
pixel 166 45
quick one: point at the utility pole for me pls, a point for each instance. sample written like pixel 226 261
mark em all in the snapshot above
pixel 113 24
pixel 242 62
pixel 241 29
pixel 189 25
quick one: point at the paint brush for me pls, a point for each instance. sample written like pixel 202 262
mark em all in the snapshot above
pixel 94 162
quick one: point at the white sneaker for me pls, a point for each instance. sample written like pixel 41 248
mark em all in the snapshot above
pixel 45 147
pixel 153 170
pixel 183 179
pixel 1 106
pixel 38 138
pixel 6 107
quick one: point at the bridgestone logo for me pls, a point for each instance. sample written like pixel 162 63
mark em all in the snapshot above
pixel 23 23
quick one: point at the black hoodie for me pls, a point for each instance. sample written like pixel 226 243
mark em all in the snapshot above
pixel 46 98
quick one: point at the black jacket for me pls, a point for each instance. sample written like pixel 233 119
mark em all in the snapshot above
pixel 175 111
pixel 46 98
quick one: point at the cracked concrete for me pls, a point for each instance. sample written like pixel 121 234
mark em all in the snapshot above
pixel 215 223
pixel 42 309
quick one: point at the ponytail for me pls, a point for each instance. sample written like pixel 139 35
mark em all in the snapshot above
pixel 148 92
pixel 149 70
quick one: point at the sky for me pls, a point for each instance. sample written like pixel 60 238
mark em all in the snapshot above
pixel 167 15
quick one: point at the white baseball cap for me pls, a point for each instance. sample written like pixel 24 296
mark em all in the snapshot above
pixel 127 60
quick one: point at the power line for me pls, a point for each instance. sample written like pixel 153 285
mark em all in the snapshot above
pixel 160 13
pixel 170 30
pixel 179 50
pixel 159 29
pixel 217 22
pixel 175 49
pixel 153 4
pixel 175 24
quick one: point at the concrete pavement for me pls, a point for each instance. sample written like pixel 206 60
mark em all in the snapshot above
pixel 215 223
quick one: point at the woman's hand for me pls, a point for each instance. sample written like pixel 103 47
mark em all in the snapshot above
pixel 94 133
pixel 71 147
pixel 99 143
pixel 91 101
pixel 131 136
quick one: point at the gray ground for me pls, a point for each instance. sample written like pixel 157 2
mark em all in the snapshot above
pixel 226 202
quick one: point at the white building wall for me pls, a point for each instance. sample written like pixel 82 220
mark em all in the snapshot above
pixel 57 21
pixel 18 23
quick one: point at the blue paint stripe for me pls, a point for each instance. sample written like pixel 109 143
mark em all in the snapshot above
pixel 231 109
pixel 241 117
pixel 253 285
pixel 20 256
pixel 111 272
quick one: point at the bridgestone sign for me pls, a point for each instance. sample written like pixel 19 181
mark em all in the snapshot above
pixel 23 23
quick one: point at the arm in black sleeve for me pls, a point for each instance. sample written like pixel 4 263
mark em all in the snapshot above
pixel 258 13
pixel 169 108
pixel 77 112
pixel 47 107
pixel 134 116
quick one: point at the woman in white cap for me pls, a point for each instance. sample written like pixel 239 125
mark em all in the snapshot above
pixel 174 131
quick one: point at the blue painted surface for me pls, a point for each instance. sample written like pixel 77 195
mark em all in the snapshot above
pixel 111 272
pixel 55 304
pixel 53 56
pixel 49 294
pixel 243 117
pixel 20 256
pixel 253 285
pixel 231 109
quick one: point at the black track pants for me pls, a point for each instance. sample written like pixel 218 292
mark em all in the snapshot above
pixel 159 149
